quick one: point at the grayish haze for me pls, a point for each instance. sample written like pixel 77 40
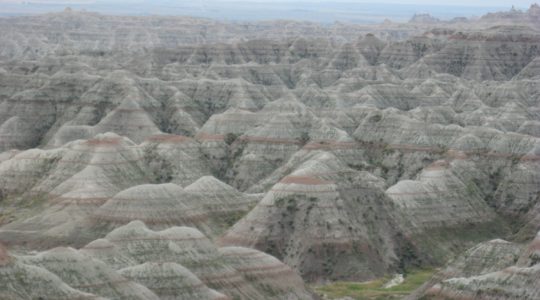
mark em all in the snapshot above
pixel 325 11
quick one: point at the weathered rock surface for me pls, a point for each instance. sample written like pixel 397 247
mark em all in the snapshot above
pixel 323 209
pixel 153 258
pixel 133 262
pixel 347 151
pixel 492 270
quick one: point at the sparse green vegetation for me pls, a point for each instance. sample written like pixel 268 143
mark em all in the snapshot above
pixel 231 218
pixel 471 188
pixel 304 138
pixel 373 290
pixel 376 118
pixel 230 138
pixel 159 167
pixel 290 200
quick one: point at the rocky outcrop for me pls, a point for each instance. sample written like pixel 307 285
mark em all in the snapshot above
pixel 320 219
pixel 347 151
pixel 86 274
pixel 493 270
pixel 459 203
pixel 89 187
pixel 153 258
pixel 171 281
pixel 137 263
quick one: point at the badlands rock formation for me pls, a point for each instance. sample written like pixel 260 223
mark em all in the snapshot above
pixel 83 190
pixel 133 262
pixel 493 270
pixel 324 219
pixel 150 257
pixel 134 145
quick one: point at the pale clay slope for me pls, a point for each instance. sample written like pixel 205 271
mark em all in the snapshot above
pixel 502 270
pixel 133 262
pixel 349 152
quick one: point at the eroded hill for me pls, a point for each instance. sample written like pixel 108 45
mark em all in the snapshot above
pixel 135 145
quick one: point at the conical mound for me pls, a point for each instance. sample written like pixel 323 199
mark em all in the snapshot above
pixel 87 274
pixel 158 205
pixel 171 281
pixel 315 220
pixel 157 259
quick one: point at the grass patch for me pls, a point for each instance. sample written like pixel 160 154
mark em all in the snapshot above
pixel 373 290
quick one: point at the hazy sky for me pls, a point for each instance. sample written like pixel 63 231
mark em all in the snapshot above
pixel 325 11
pixel 489 3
